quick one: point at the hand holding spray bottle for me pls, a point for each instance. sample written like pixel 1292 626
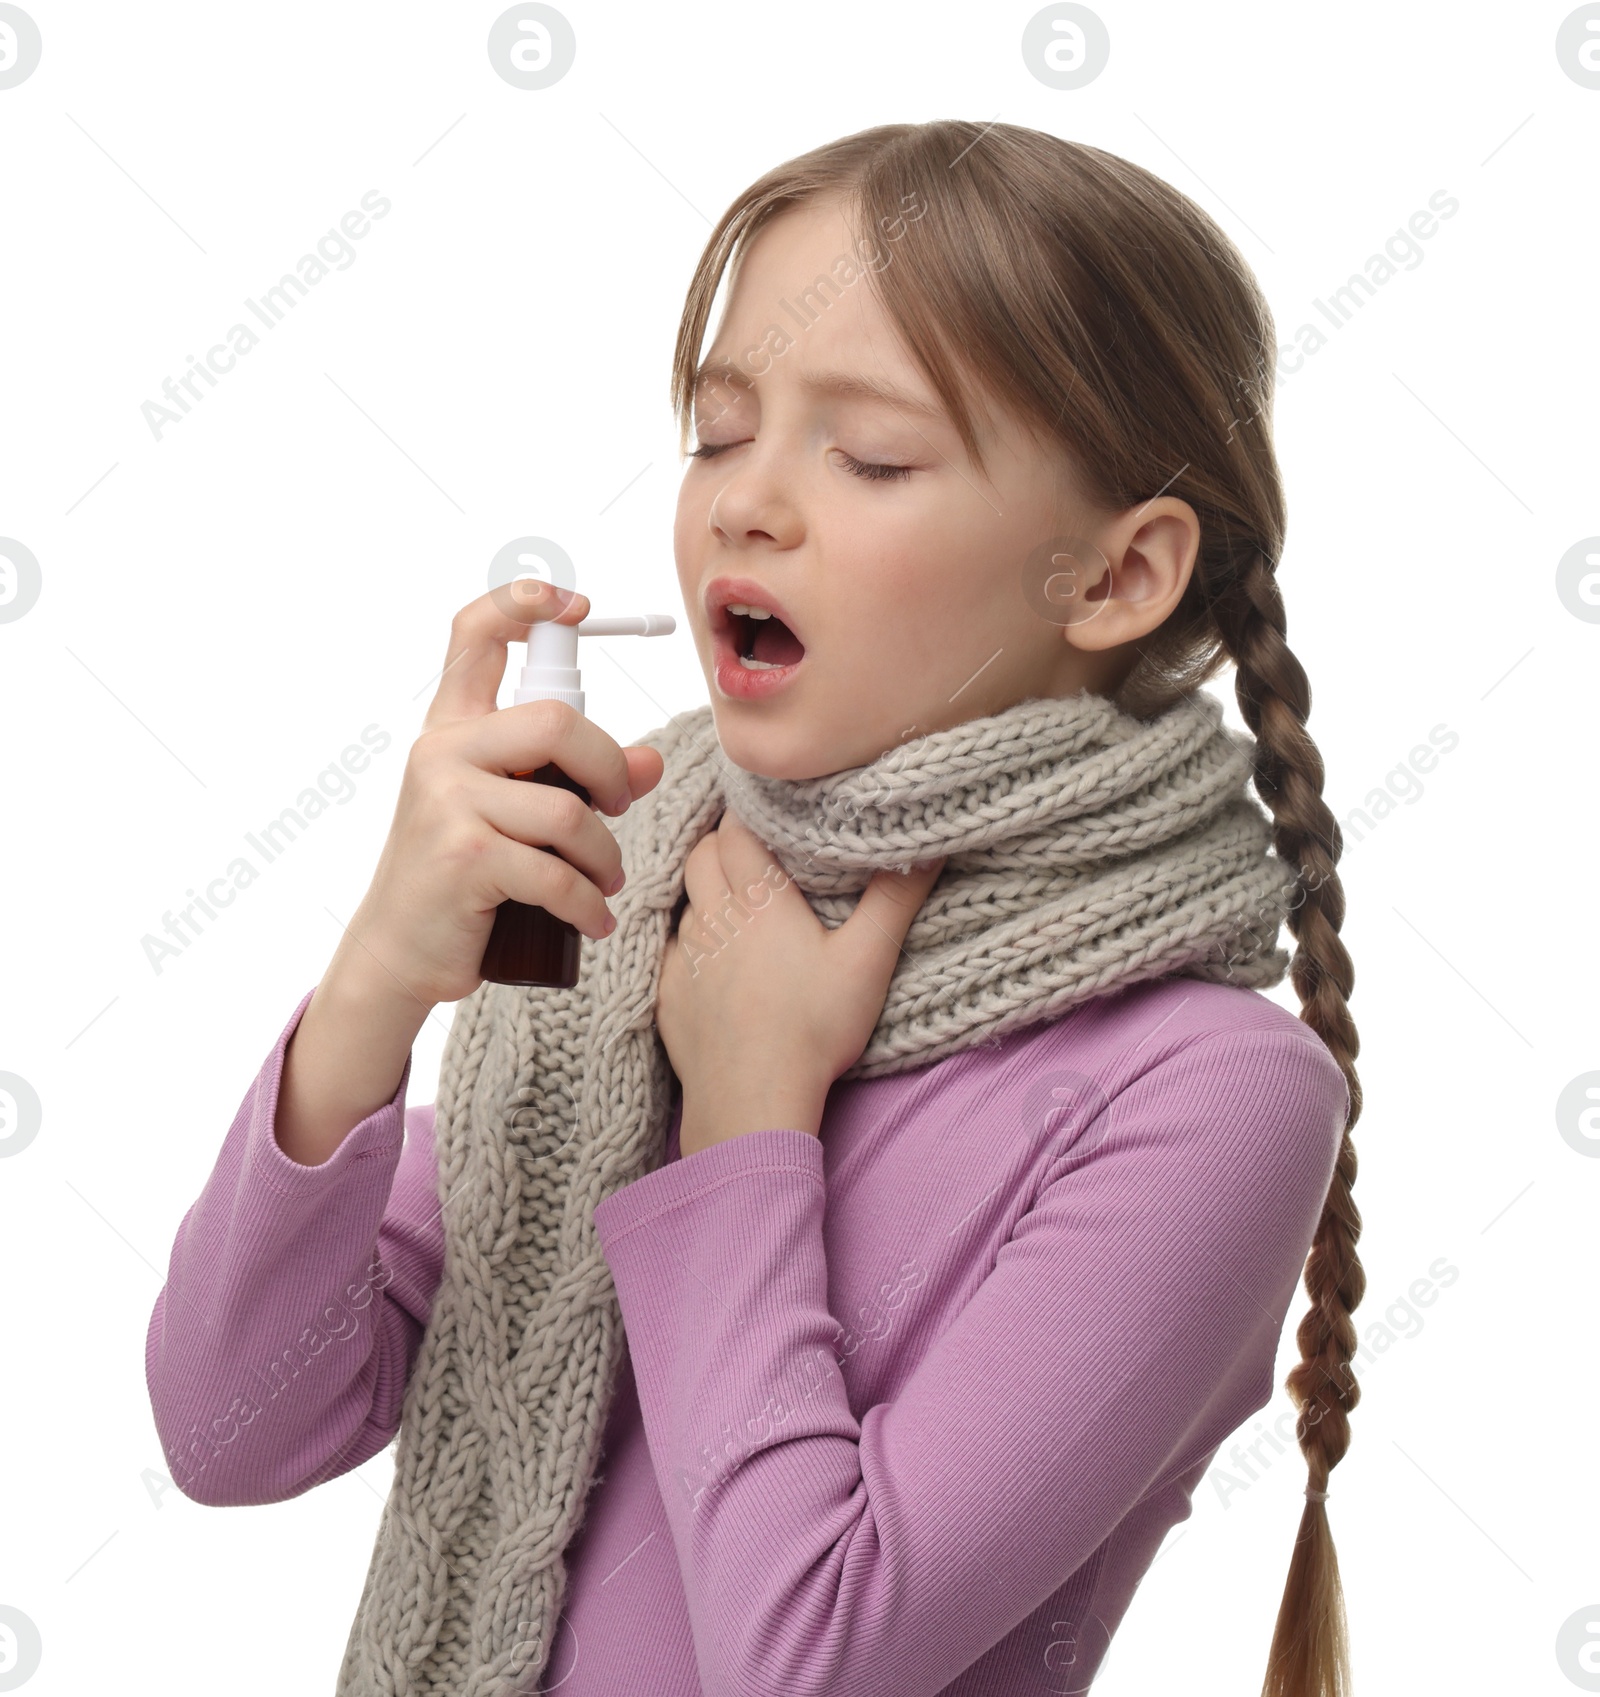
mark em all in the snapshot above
pixel 530 945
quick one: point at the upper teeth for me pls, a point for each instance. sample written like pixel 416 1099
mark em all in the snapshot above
pixel 754 612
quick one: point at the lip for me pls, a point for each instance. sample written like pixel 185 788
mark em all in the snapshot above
pixel 734 680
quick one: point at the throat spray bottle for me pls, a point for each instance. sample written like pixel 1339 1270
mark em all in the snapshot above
pixel 530 945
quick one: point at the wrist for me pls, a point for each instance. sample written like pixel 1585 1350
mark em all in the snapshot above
pixel 359 974
pixel 732 1113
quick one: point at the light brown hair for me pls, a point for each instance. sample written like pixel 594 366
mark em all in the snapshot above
pixel 1117 321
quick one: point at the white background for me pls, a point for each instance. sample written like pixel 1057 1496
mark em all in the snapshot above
pixel 224 610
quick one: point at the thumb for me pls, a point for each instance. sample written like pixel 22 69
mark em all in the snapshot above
pixel 883 916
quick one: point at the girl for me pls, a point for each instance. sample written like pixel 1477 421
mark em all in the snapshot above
pixel 905 1204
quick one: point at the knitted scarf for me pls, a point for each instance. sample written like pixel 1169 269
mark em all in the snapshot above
pixel 1087 850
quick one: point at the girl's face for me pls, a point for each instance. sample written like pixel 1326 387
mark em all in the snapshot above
pixel 911 597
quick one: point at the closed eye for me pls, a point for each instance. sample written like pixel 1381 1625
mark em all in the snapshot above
pixel 868 469
pixel 878 473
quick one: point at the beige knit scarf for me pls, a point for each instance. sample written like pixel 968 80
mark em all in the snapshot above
pixel 1087 850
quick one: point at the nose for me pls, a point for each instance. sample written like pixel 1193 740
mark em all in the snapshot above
pixel 753 504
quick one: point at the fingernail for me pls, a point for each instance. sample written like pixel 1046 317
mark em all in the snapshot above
pixel 616 883
pixel 608 925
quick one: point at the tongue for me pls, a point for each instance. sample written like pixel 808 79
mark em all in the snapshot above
pixel 775 643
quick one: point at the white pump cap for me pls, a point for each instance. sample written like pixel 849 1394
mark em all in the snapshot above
pixel 551 673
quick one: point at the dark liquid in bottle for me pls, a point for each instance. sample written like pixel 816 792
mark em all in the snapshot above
pixel 530 945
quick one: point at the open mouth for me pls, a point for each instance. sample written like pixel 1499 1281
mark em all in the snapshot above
pixel 761 640
pixel 758 653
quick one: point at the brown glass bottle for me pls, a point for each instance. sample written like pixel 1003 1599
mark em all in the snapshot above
pixel 530 945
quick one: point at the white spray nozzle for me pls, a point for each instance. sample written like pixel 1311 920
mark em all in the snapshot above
pixel 551 673
pixel 636 624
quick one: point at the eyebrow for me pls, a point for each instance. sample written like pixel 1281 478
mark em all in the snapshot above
pixel 844 385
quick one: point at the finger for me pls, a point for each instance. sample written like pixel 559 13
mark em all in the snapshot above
pixel 539 733
pixel 547 816
pixel 877 927
pixel 475 660
pixel 537 878
pixel 704 880
pixel 752 869
pixel 645 767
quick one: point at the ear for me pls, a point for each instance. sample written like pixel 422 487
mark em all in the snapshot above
pixel 1148 555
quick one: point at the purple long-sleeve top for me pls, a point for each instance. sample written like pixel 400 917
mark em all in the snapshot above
pixel 907 1407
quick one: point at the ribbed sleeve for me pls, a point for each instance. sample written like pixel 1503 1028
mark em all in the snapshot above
pixel 278 1350
pixel 1125 1325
